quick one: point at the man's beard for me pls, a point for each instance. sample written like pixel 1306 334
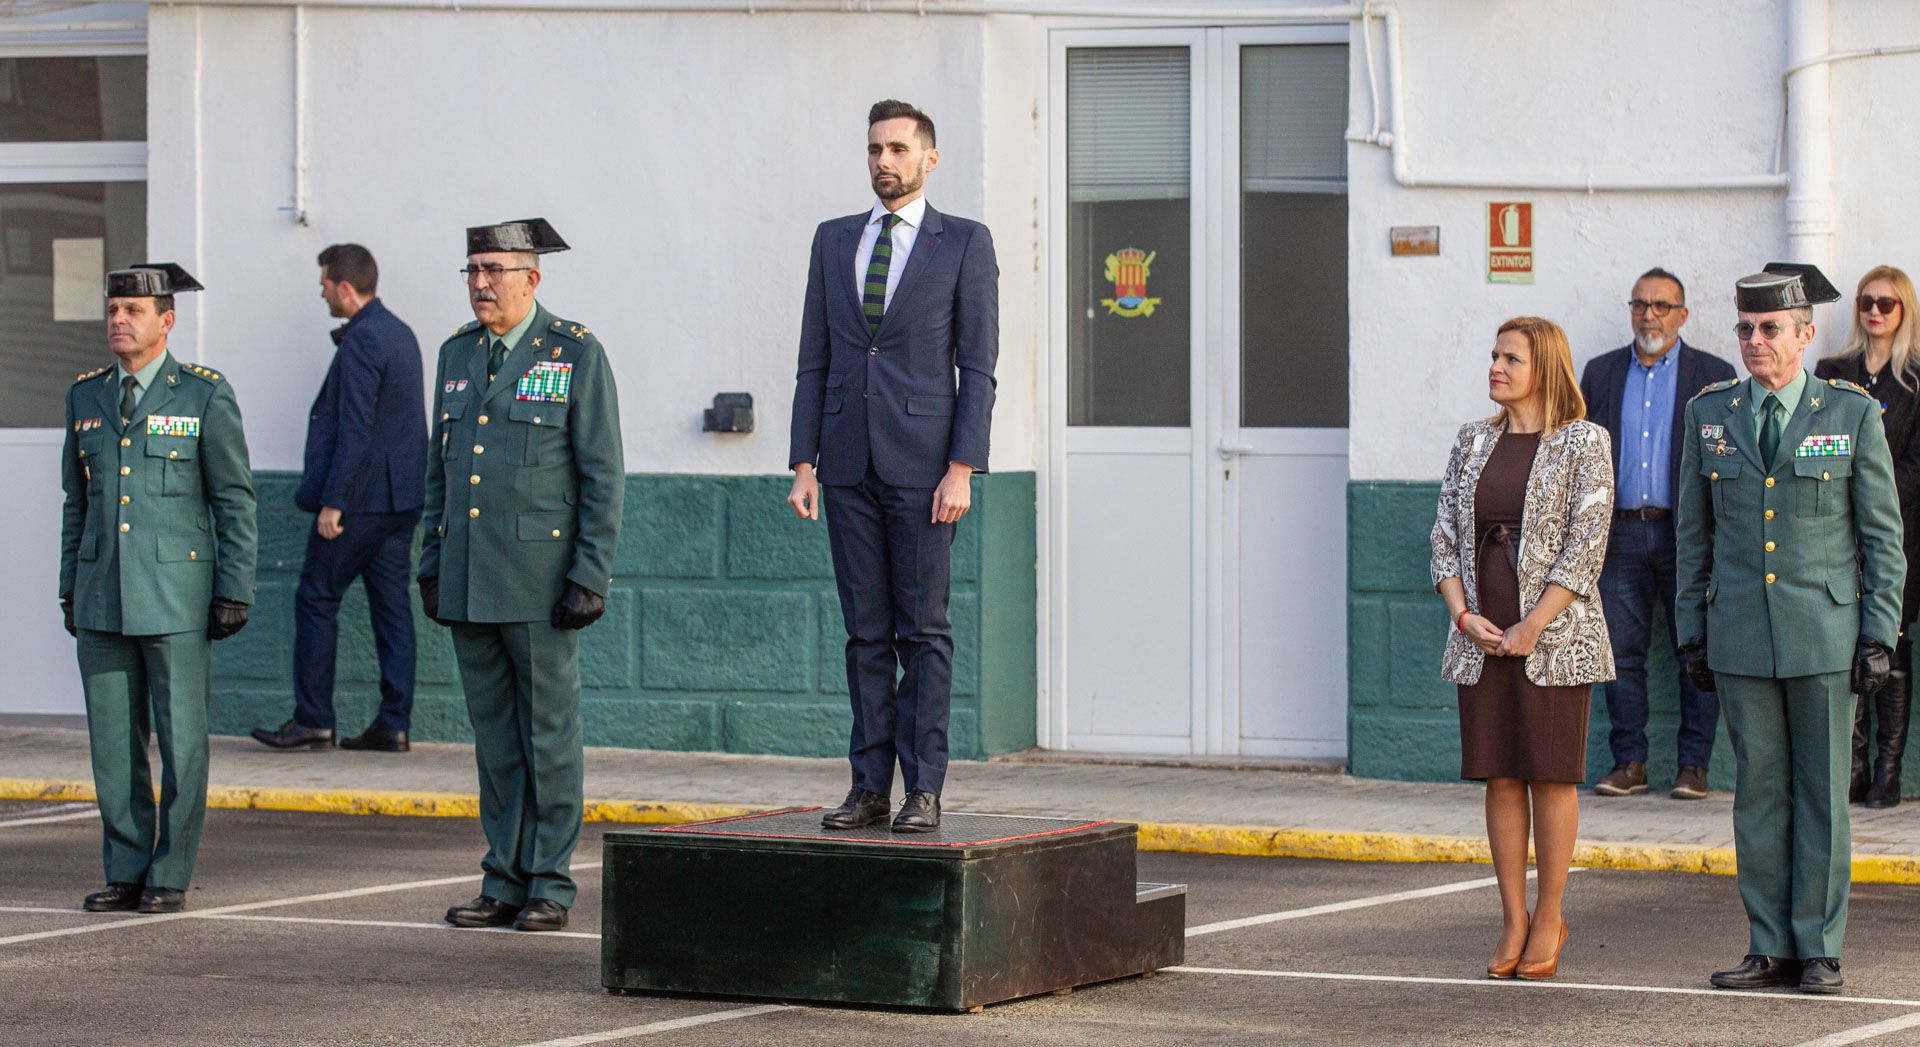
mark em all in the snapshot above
pixel 1650 343
pixel 899 187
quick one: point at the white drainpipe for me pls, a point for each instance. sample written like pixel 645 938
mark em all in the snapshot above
pixel 1809 145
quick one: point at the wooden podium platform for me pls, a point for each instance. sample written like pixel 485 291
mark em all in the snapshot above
pixel 988 908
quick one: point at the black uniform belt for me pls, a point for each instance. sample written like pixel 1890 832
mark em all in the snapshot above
pixel 1650 514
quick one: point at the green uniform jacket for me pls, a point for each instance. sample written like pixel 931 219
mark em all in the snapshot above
pixel 159 519
pixel 1785 565
pixel 525 478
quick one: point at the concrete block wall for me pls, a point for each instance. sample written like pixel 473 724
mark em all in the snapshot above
pixel 722 633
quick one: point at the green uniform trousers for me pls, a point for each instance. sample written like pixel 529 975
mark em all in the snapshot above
pixel 523 695
pixel 136 686
pixel 1791 834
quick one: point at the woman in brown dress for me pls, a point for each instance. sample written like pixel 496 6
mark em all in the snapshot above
pixel 1518 544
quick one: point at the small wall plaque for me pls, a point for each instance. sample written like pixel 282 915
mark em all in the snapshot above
pixel 1415 239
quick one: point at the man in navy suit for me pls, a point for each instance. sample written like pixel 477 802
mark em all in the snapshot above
pixel 891 412
pixel 365 477
pixel 1639 392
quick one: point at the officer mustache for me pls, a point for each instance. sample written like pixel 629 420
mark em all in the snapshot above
pixel 485 295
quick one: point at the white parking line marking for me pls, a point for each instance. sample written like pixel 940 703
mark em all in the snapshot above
pixel 1506 984
pixel 1357 903
pixel 1865 1032
pixel 65 812
pixel 670 1025
pixel 329 896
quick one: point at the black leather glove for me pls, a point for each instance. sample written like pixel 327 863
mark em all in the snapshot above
pixel 1872 664
pixel 1693 662
pixel 578 608
pixel 430 598
pixel 66 612
pixel 225 618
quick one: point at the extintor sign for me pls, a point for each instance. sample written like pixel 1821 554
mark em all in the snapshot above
pixel 1509 242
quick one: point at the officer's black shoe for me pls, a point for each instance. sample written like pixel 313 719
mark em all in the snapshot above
pixel 294 736
pixel 484 911
pixel 377 739
pixel 859 810
pixel 919 813
pixel 118 897
pixel 541 914
pixel 1821 975
pixel 162 899
pixel 1759 972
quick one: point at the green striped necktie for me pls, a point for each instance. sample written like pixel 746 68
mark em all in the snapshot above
pixel 874 299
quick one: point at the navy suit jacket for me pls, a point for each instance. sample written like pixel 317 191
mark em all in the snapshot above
pixel 1604 384
pixel 367 435
pixel 917 394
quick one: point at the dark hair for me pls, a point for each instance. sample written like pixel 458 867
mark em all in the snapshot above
pixel 162 304
pixel 1657 273
pixel 351 264
pixel 894 109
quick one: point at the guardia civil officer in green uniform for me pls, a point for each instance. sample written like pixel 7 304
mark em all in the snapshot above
pixel 524 484
pixel 157 547
pixel 1790 573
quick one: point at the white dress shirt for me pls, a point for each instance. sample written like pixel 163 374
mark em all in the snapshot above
pixel 905 231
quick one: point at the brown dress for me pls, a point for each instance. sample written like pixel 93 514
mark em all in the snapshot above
pixel 1511 727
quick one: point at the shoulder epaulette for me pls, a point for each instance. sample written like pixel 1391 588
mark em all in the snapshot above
pixel 1717 386
pixel 465 328
pixel 95 373
pixel 569 330
pixel 1842 383
pixel 205 374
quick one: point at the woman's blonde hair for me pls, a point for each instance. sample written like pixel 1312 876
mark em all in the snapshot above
pixel 1554 382
pixel 1906 337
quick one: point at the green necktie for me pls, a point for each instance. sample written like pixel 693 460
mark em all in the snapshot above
pixel 130 399
pixel 873 297
pixel 1770 429
pixel 496 357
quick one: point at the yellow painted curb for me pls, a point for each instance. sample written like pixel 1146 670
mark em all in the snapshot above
pixel 1261 841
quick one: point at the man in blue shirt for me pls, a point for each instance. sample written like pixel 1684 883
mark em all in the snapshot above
pixel 1638 393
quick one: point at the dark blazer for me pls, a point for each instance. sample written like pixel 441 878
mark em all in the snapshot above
pixel 1900 413
pixel 367 434
pixel 919 393
pixel 1604 384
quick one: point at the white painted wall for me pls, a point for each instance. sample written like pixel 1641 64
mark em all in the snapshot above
pixel 686 158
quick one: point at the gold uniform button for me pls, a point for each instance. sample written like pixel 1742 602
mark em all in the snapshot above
pixel 124 528
pixel 1769 577
pixel 477 449
pixel 193 554
pixel 1769 546
pixel 1769 514
pixel 474 479
pixel 536 419
pixel 124 499
pixel 482 419
pixel 1826 476
pixel 173 454
pixel 445 417
pixel 125 470
pixel 124 442
pixel 1713 476
pixel 556 533
pixel 1769 481
pixel 473 512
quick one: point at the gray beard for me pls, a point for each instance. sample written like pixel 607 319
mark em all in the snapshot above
pixel 1649 344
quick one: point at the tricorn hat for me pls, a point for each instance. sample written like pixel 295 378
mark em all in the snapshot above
pixel 1781 286
pixel 150 280
pixel 525 234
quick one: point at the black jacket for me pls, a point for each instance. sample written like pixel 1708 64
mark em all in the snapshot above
pixel 1900 413
pixel 367 434
pixel 1604 382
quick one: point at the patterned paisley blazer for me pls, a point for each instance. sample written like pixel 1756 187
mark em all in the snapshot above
pixel 1563 541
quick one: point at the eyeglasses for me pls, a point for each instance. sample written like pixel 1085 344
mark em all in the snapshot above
pixel 492 272
pixel 1658 309
pixel 1866 302
pixel 1769 329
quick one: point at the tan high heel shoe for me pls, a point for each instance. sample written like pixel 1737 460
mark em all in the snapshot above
pixel 1504 967
pixel 1541 970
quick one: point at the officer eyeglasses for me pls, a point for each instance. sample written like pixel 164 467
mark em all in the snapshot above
pixel 1866 303
pixel 493 273
pixel 1769 329
pixel 1658 309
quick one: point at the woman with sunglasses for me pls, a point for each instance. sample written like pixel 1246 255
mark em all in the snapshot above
pixel 1882 355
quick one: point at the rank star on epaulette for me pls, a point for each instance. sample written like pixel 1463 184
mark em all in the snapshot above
pixel 1813 401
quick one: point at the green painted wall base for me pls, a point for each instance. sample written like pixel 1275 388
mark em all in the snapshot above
pixel 722 633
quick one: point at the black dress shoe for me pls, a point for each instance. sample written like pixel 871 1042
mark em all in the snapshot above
pixel 377 739
pixel 118 897
pixel 484 911
pixel 541 914
pixel 293 736
pixel 1760 972
pixel 162 899
pixel 919 813
pixel 1821 974
pixel 859 810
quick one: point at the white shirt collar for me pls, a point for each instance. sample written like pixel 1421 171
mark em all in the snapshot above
pixel 911 215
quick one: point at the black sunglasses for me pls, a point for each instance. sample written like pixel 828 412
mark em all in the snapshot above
pixel 1866 302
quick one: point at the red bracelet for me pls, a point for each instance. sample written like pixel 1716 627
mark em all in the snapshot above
pixel 1458 618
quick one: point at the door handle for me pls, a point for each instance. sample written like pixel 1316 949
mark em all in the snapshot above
pixel 1230 450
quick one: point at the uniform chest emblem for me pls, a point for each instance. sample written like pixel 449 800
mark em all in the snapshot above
pixel 458 385
pixel 1835 446
pixel 547 381
pixel 172 425
pixel 1721 449
pixel 1712 432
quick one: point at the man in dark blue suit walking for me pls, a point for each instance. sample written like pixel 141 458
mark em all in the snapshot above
pixel 365 478
pixel 1639 393
pixel 892 408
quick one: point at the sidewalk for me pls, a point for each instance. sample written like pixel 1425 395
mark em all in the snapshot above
pixel 1195 809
